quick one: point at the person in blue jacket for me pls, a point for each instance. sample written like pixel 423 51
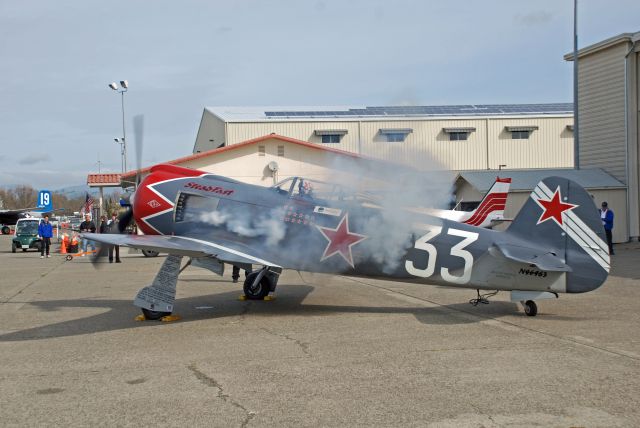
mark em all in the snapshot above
pixel 45 233
pixel 607 221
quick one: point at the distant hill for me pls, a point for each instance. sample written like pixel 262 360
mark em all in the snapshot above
pixel 73 192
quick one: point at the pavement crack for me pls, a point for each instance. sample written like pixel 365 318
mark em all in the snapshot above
pixel 42 276
pixel 212 383
pixel 303 345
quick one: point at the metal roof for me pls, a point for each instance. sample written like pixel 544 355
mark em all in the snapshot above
pixel 240 114
pixel 604 44
pixel 103 180
pixel 527 179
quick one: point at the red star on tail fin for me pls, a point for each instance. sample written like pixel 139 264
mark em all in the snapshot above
pixel 553 208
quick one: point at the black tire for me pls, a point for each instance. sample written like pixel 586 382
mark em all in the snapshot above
pixel 530 308
pixel 260 291
pixel 14 247
pixel 6 230
pixel 150 253
pixel 154 315
pixel 24 250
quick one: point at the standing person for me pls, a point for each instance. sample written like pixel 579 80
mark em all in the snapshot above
pixel 235 274
pixel 45 233
pixel 85 227
pixel 103 224
pixel 112 227
pixel 607 221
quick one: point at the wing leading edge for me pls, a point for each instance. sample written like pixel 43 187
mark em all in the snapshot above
pixel 180 245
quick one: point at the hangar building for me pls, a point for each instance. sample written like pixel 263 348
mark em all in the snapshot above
pixel 608 114
pixel 459 137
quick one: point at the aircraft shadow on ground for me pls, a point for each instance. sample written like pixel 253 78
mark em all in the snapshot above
pixel 119 314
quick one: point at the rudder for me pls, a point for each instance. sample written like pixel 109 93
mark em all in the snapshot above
pixel 561 216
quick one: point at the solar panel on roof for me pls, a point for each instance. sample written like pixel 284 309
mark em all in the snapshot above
pixel 453 110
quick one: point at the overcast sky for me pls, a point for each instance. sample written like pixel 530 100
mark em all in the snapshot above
pixel 57 114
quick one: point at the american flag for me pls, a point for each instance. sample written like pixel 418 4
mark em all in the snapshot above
pixel 88 204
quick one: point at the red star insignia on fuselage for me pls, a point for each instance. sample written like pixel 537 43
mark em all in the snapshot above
pixel 554 208
pixel 340 240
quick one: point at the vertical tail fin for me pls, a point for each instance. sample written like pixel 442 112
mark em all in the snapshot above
pixel 493 203
pixel 562 218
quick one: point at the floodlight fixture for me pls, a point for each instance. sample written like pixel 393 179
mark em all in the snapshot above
pixel 124 84
pixel 114 86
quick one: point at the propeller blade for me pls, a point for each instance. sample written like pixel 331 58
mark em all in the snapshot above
pixel 125 220
pixel 103 250
pixel 138 130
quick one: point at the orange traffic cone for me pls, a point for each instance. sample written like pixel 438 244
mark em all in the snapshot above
pixel 63 245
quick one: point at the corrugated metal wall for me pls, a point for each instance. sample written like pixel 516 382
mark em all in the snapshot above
pixel 490 145
pixel 211 133
pixel 550 146
pixel 602 110
pixel 239 132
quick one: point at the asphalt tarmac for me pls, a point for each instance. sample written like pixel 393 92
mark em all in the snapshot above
pixel 328 351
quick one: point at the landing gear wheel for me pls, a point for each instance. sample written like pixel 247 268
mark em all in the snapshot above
pixel 530 308
pixel 24 250
pixel 14 247
pixel 260 291
pixel 150 253
pixel 6 230
pixel 154 315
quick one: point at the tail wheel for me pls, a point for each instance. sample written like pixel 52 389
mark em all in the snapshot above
pixel 258 291
pixel 530 308
pixel 154 315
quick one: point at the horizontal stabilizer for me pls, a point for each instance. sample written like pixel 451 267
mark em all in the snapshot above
pixel 542 259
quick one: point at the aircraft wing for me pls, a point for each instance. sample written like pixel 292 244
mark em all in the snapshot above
pixel 181 245
pixel 542 259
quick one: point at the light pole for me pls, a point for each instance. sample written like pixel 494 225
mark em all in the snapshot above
pixel 124 86
pixel 122 155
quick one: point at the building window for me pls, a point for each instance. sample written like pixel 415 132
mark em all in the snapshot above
pixel 260 150
pixel 458 134
pixel 330 138
pixel 281 151
pixel 520 135
pixel 521 132
pixel 396 135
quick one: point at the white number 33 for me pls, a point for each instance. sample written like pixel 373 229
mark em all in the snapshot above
pixel 458 250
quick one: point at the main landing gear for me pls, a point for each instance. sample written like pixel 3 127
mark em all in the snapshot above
pixel 258 284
